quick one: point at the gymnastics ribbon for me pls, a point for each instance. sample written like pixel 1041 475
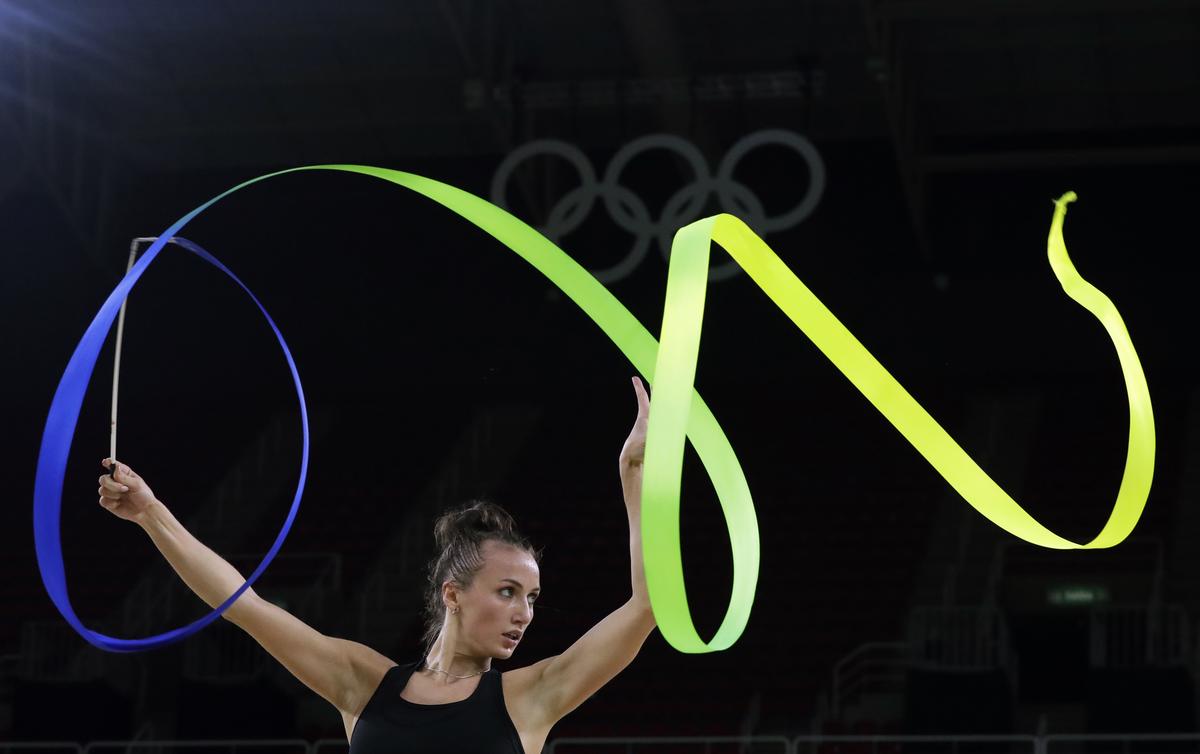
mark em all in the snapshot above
pixel 675 369
pixel 678 410
pixel 60 431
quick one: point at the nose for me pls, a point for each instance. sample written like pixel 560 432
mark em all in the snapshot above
pixel 523 618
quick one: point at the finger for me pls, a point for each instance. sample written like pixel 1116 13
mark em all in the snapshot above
pixel 121 472
pixel 642 399
pixel 108 483
pixel 106 494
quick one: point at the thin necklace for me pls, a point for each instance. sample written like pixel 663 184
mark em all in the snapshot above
pixel 439 670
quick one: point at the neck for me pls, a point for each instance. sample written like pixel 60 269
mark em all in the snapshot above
pixel 442 656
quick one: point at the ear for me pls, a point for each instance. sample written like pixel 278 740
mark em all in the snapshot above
pixel 449 595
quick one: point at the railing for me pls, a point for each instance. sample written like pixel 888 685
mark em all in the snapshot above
pixel 149 606
pixel 145 733
pixel 915 745
pixel 223 655
pixel 1117 743
pixel 659 744
pixel 958 638
pixel 1139 636
pixel 1122 743
pixel 215 746
pixel 874 666
pixel 49 651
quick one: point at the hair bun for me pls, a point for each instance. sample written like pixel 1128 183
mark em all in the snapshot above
pixel 476 521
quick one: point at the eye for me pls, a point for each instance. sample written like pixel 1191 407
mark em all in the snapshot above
pixel 506 589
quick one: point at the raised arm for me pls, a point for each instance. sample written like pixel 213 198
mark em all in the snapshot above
pixel 567 680
pixel 336 669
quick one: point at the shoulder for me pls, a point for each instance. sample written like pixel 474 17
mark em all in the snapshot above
pixel 522 695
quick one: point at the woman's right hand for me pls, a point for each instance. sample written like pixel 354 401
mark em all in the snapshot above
pixel 125 494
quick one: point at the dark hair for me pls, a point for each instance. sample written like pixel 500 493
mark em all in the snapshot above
pixel 460 534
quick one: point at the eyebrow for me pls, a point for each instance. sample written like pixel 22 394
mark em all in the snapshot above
pixel 518 583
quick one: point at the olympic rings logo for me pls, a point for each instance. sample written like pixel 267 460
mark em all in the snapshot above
pixel 630 213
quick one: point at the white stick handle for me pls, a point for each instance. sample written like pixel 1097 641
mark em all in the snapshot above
pixel 112 437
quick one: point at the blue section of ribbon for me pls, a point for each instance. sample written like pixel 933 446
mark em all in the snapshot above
pixel 60 431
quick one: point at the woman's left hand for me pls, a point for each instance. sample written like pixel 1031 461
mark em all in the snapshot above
pixel 634 451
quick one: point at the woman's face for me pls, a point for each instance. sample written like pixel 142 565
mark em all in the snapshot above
pixel 499 600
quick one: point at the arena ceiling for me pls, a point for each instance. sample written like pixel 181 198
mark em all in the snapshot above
pixel 95 91
pixel 176 85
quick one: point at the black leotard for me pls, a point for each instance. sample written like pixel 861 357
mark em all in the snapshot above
pixel 479 724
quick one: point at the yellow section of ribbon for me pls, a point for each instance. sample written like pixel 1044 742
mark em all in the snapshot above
pixel 674 376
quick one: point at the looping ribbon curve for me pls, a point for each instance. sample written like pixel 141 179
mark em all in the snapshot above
pixel 678 410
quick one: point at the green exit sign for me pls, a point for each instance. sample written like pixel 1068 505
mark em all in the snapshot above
pixel 1077 594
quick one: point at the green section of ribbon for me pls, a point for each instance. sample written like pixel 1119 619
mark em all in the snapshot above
pixel 679 412
pixel 676 368
pixel 660 518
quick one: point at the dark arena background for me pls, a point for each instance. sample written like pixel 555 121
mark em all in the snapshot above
pixel 900 156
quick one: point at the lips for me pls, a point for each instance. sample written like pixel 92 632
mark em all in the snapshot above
pixel 515 636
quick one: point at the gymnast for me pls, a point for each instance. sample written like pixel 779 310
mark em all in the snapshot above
pixel 479 603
